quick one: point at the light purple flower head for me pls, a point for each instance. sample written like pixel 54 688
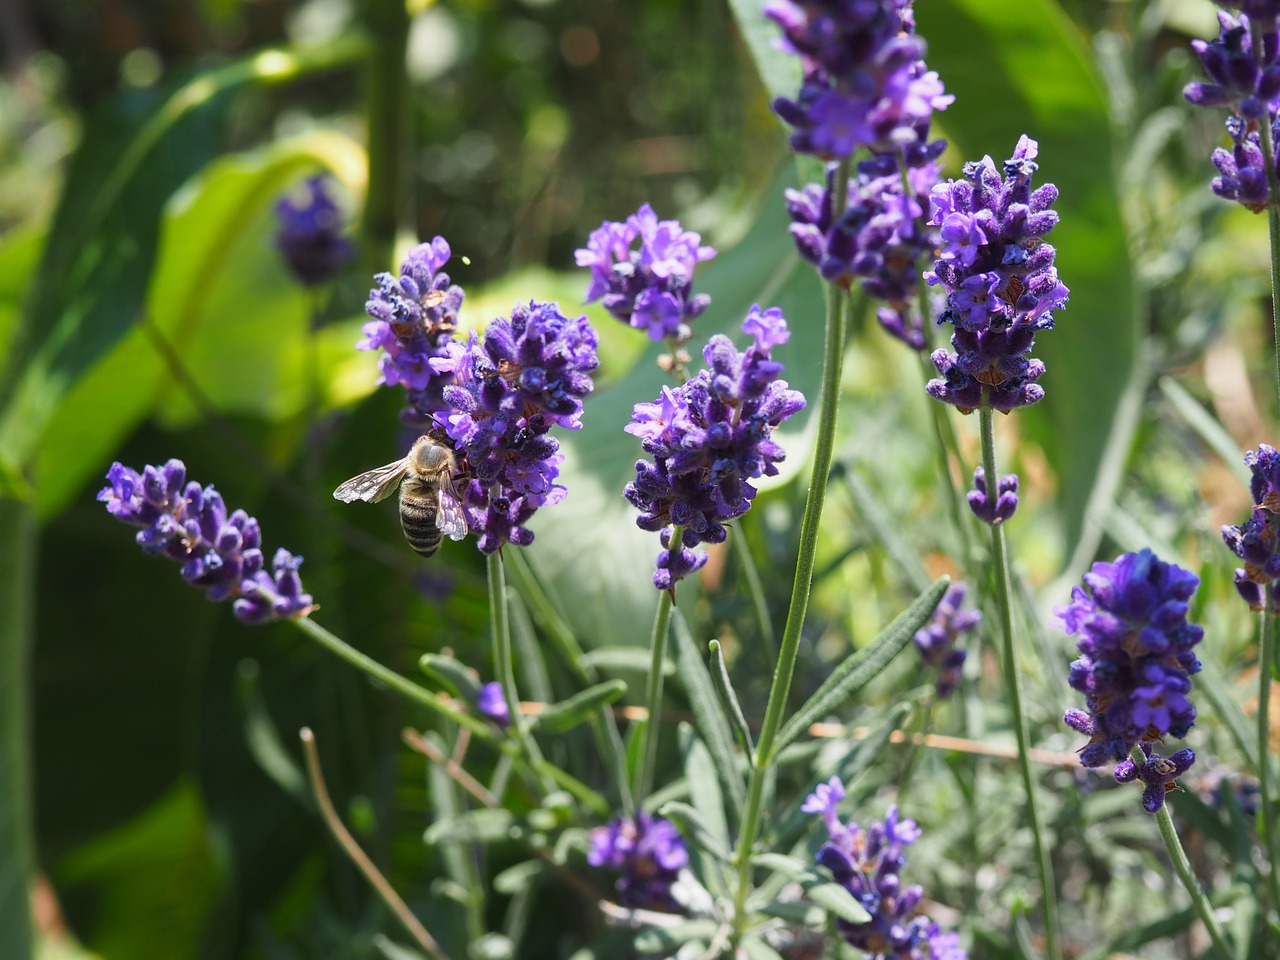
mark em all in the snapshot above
pixel 709 437
pixel 648 287
pixel 311 238
pixel 220 553
pixel 937 640
pixel 647 853
pixel 412 321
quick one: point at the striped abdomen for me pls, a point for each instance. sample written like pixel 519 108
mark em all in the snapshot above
pixel 419 505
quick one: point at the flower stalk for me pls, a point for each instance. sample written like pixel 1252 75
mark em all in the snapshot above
pixel 653 689
pixel 1273 212
pixel 1266 653
pixel 1013 689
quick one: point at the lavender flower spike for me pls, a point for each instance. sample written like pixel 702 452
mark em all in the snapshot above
pixel 1000 281
pixel 412 321
pixel 648 854
pixel 219 553
pixel 310 237
pixel 1255 540
pixel 867 863
pixel 993 510
pixel 1136 655
pixel 650 287
pixel 709 438
pixel 937 640
pixel 504 395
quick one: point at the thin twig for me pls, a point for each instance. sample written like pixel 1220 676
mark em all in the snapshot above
pixel 416 741
pixel 358 856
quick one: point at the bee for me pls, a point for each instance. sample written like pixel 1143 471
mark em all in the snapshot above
pixel 429 504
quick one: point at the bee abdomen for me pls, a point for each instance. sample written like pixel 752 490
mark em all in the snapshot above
pixel 418 521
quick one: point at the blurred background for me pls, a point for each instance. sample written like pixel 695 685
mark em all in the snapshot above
pixel 170 814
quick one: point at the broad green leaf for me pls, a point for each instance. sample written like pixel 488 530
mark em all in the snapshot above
pixel 757 949
pixel 862 667
pixel 472 826
pixel 1091 352
pixel 704 788
pixel 706 708
pixel 220 304
pixel 578 709
pixel 779 70
pixel 795 911
pixel 17 839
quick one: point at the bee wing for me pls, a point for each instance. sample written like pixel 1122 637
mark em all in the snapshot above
pixel 451 518
pixel 373 485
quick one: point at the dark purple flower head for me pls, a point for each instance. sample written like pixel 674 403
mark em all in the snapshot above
pixel 998 509
pixel 937 640
pixel 649 287
pixel 413 318
pixel 311 238
pixel 1000 281
pixel 648 854
pixel 492 702
pixel 503 395
pixel 867 863
pixel 1255 540
pixel 1158 774
pixel 878 241
pixel 220 553
pixel 865 81
pixel 1136 654
pixel 709 437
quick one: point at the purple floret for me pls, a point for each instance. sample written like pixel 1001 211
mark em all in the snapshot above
pixel 709 438
pixel 311 237
pixel 1136 655
pixel 937 640
pixel 492 702
pixel 868 864
pixel 647 853
pixel 999 277
pixel 998 509
pixel 1158 774
pixel 220 553
pixel 503 395
pixel 1255 540
pixel 413 318
pixel 648 287
pixel 865 81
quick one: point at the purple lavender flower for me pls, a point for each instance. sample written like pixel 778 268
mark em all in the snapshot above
pixel 879 240
pixel 310 237
pixel 492 702
pixel 503 395
pixel 937 640
pixel 413 318
pixel 865 82
pixel 1255 540
pixel 1000 282
pixel 998 509
pixel 1247 80
pixel 1136 654
pixel 648 288
pixel 709 438
pixel 1157 774
pixel 220 553
pixel 867 863
pixel 648 854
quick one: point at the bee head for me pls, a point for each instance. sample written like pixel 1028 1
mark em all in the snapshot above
pixel 430 456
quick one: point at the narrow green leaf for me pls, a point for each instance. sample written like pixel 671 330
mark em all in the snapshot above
pixel 1213 434
pixel 757 949
pixel 624 659
pixel 729 699
pixel 265 743
pixel 862 667
pixel 704 785
pixel 779 70
pixel 17 585
pixel 472 826
pixel 394 951
pixel 696 829
pixel 1226 706
pixel 887 530
pixel 578 709
pixel 513 879
pixel 706 709
pixel 452 674
pixel 818 885
pixel 866 752
pixel 795 911
pixel 665 939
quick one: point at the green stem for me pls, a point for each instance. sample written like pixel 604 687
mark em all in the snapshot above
pixel 756 589
pixel 17 850
pixel 504 666
pixel 1266 651
pixel 923 721
pixel 1013 687
pixel 779 692
pixel 1273 212
pixel 419 695
pixel 386 110
pixel 653 688
pixel 1169 834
